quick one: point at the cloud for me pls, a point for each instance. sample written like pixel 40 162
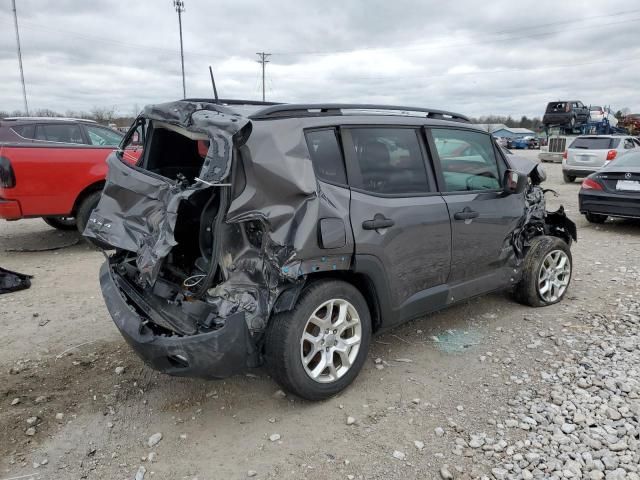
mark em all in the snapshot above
pixel 466 56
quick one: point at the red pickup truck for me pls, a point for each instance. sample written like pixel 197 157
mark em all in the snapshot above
pixel 53 168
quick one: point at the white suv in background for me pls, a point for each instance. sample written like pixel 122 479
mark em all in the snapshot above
pixel 589 153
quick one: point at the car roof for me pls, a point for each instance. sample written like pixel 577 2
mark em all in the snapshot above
pixel 26 120
pixel 256 110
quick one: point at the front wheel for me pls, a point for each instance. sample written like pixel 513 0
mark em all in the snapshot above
pixel 546 272
pixel 568 178
pixel 317 349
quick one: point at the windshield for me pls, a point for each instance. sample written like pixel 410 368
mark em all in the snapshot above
pixel 103 136
pixel 595 143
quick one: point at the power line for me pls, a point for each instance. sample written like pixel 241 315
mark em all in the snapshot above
pixel 24 89
pixel 263 60
pixel 179 6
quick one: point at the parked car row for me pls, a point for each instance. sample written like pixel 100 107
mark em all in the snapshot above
pixel 519 143
pixel 611 167
pixel 589 153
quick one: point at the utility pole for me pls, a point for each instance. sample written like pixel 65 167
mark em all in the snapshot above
pixel 24 89
pixel 179 6
pixel 263 60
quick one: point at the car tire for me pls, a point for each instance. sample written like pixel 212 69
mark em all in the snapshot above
pixel 595 217
pixel 83 215
pixel 289 355
pixel 545 278
pixel 568 178
pixel 572 122
pixel 61 223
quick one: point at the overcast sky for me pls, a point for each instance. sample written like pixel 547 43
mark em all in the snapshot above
pixel 477 58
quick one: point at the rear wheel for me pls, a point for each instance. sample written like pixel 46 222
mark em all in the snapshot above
pixel 61 223
pixel 595 217
pixel 317 349
pixel 568 178
pixel 84 213
pixel 546 272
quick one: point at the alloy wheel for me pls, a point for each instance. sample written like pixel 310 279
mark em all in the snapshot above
pixel 330 341
pixel 553 279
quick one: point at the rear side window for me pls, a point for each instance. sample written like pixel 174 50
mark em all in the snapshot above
pixel 25 131
pixel 467 159
pixel 61 133
pixel 557 107
pixel 388 160
pixel 595 143
pixel 326 155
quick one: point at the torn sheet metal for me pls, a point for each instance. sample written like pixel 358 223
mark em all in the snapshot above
pixel 536 219
pixel 268 241
pixel 138 210
pixel 13 281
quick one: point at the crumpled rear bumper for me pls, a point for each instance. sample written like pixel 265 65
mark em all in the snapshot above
pixel 216 354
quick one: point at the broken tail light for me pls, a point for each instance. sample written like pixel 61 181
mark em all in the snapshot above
pixel 7 176
pixel 611 155
pixel 590 184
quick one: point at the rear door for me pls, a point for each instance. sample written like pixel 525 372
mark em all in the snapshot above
pixel 399 220
pixel 470 171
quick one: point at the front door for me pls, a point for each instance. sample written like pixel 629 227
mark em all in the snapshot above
pixel 397 216
pixel 470 172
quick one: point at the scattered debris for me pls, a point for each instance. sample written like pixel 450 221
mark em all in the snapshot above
pixel 154 439
pixel 398 455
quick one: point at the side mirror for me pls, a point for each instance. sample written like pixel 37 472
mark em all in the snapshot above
pixel 514 182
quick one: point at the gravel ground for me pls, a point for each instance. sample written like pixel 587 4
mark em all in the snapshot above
pixel 488 389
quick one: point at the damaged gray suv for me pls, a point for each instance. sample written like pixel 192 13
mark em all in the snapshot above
pixel 288 234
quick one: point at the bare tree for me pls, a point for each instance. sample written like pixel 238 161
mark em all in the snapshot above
pixel 45 112
pixel 103 114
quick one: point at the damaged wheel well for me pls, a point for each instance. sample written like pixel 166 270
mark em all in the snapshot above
pixel 358 280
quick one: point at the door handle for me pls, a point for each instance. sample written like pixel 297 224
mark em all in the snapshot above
pixel 378 221
pixel 466 214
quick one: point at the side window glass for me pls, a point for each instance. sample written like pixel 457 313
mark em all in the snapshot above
pixel 60 133
pixel 390 161
pixel 467 160
pixel 25 131
pixel 637 142
pixel 103 136
pixel 326 155
pixel 628 143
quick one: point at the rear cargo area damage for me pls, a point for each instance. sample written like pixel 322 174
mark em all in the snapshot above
pixel 209 238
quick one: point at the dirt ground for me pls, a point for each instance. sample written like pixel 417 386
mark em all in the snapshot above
pixel 456 370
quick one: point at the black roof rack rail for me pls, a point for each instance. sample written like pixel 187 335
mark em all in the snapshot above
pixel 292 110
pixel 230 101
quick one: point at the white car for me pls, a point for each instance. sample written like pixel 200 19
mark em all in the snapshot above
pixel 588 153
pixel 598 114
